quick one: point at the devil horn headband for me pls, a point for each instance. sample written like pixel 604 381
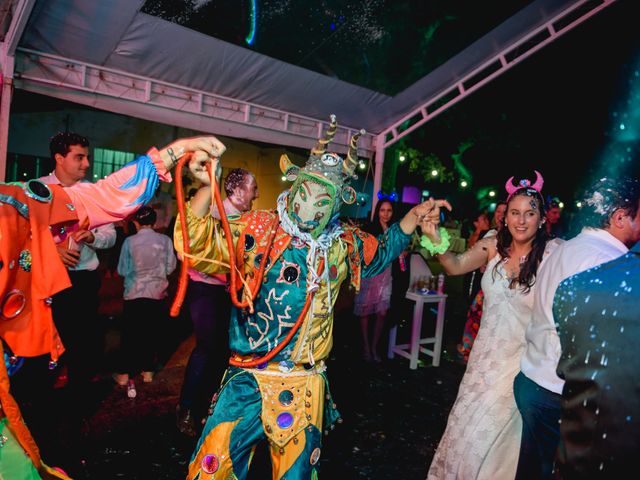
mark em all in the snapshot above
pixel 524 183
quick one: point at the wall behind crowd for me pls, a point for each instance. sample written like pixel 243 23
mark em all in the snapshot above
pixel 29 134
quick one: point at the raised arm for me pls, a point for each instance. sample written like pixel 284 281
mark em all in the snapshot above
pixel 429 209
pixel 201 201
pixel 124 191
pixel 436 241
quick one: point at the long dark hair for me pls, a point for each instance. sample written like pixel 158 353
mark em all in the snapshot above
pixel 529 268
pixel 374 226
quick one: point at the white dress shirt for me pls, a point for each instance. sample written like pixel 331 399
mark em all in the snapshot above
pixel 146 259
pixel 590 248
pixel 104 237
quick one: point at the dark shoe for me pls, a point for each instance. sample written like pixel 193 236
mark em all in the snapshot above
pixel 185 422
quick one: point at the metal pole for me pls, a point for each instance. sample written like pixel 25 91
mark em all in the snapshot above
pixel 377 177
pixel 5 103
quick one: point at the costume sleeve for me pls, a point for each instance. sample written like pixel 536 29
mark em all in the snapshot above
pixel 390 245
pixel 209 250
pixel 119 194
pixel 104 237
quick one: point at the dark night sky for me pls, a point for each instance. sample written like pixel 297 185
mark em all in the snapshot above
pixel 553 112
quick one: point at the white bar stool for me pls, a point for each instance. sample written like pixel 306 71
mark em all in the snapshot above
pixel 414 348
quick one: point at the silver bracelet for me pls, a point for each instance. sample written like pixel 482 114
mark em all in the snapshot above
pixel 172 156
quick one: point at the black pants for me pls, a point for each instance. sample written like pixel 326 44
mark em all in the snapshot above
pixel 143 321
pixel 75 313
pixel 210 308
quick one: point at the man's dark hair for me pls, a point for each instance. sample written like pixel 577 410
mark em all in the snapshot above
pixel 145 216
pixel 605 197
pixel 235 178
pixel 61 143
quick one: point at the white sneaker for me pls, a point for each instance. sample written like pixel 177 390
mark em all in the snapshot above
pixel 131 389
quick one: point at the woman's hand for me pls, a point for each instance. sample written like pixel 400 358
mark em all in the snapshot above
pixel 429 228
pixel 429 209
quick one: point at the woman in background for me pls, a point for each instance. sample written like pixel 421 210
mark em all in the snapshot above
pixel 474 313
pixel 374 297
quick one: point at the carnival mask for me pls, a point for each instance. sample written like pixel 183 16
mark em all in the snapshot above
pixel 322 185
pixel 311 204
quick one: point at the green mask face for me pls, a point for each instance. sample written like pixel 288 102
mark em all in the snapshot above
pixel 311 204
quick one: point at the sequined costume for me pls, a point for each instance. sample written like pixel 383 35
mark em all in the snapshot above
pixel 33 218
pixel 284 399
pixel 307 254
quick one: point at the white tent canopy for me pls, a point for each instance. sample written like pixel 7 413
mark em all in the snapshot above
pixel 109 55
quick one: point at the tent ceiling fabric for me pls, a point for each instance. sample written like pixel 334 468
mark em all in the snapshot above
pixel 116 35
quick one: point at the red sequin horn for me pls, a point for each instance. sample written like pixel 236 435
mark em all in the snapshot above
pixel 524 183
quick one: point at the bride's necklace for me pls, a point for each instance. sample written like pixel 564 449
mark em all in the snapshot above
pixel 513 273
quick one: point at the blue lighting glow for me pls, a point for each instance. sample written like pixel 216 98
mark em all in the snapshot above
pixel 616 156
pixel 252 33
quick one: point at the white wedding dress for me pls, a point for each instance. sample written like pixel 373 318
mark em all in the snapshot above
pixel 482 437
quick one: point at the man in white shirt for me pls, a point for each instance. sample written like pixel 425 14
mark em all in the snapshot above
pixel 75 310
pixel 210 309
pixel 611 227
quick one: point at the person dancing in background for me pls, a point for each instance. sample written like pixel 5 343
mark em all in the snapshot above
pixel 482 436
pixel 374 297
pixel 146 260
pixel 210 308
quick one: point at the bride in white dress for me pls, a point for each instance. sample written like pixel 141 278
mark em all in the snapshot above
pixel 482 436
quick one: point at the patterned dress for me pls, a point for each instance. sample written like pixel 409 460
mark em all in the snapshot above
pixel 285 400
pixel 482 436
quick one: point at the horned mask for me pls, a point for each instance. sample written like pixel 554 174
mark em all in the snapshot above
pixel 321 187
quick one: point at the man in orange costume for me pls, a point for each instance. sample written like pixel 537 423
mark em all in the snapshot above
pixel 34 218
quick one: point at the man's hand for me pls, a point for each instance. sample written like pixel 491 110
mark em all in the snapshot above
pixel 85 236
pixel 198 167
pixel 209 146
pixel 431 208
pixel 70 258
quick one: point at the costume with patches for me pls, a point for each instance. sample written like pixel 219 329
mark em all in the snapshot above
pixel 305 254
pixel 33 218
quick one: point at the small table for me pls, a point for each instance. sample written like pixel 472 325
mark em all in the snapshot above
pixel 413 349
